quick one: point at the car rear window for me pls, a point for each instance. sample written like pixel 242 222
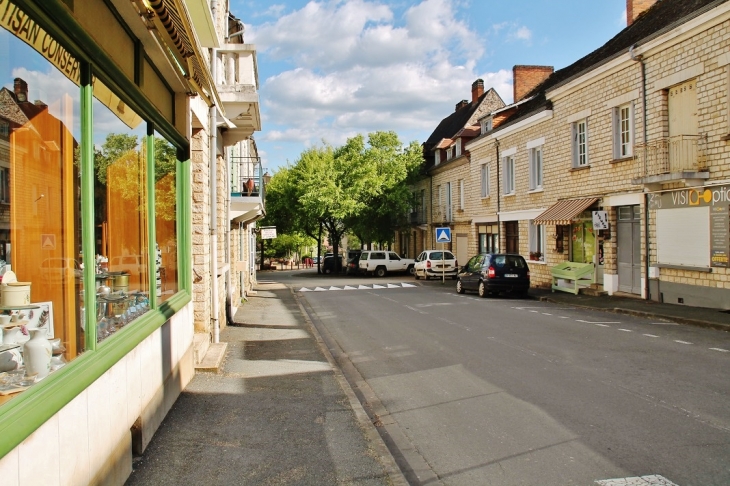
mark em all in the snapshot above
pixel 511 261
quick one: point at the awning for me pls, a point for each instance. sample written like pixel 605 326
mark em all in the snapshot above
pixel 563 212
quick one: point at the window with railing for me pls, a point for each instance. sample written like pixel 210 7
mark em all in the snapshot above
pixel 246 176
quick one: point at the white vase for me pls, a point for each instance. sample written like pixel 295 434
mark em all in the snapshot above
pixel 37 354
pixel 12 358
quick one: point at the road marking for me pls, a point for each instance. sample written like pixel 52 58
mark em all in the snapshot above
pixel 721 350
pixel 376 286
pixel 651 335
pixel 415 310
pixel 564 317
pixel 363 287
pixel 320 289
pixel 602 325
pixel 681 342
pixel 435 303
pixel 347 287
pixel 626 330
pixel 598 322
pixel 406 285
pixel 665 323
pixel 652 480
pixel 393 286
pixel 534 312
pixel 335 288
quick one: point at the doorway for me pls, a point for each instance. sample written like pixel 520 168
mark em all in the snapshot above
pixel 628 239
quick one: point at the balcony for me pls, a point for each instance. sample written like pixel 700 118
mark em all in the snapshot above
pixel 248 189
pixel 669 160
pixel 238 90
pixel 417 218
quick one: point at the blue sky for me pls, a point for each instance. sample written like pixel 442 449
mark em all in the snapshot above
pixel 331 69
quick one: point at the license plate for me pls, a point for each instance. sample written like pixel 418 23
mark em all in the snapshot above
pixel 511 275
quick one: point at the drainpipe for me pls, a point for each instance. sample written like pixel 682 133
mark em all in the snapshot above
pixel 640 60
pixel 499 198
pixel 213 180
pixel 227 259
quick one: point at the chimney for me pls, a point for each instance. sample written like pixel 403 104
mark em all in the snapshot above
pixel 20 88
pixel 526 78
pixel 634 8
pixel 461 104
pixel 477 89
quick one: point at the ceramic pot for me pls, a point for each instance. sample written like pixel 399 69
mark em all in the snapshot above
pixel 12 358
pixel 37 354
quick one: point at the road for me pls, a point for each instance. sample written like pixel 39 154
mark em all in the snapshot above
pixel 510 391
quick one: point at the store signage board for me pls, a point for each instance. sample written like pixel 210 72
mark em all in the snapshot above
pixel 443 235
pixel 719 236
pixel 13 18
pixel 268 232
pixel 600 220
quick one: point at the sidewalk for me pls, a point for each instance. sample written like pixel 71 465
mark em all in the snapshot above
pixel 681 314
pixel 277 412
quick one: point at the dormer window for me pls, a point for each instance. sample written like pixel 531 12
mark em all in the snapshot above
pixel 486 125
pixel 457 146
pixel 450 153
pixel 437 157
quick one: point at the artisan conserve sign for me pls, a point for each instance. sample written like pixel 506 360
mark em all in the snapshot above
pixel 13 19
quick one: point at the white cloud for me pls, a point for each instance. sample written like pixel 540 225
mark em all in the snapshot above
pixel 523 33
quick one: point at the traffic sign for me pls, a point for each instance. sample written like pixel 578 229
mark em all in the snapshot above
pixel 443 235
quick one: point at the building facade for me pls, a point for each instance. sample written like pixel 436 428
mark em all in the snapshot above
pixel 618 161
pixel 119 248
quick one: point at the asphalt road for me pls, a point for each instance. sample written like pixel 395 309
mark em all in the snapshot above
pixel 509 391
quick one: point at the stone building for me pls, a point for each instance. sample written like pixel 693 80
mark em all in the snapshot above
pixel 618 160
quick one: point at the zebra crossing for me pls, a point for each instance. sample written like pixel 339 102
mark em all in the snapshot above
pixel 359 287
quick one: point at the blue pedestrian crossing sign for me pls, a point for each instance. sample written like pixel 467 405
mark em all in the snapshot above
pixel 443 235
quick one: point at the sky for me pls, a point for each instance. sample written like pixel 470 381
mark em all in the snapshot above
pixel 332 69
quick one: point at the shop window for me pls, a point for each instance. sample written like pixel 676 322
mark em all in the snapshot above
pixel 537 242
pixel 489 238
pixel 40 236
pixel 166 271
pixel 121 225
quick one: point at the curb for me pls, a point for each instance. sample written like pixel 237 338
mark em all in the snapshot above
pixel 620 310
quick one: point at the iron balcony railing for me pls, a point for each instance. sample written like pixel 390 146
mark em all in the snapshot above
pixel 417 217
pixel 681 153
pixel 247 177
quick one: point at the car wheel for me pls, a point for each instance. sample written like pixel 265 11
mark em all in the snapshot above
pixel 380 272
pixel 482 289
pixel 326 271
pixel 459 287
pixel 415 275
pixel 412 270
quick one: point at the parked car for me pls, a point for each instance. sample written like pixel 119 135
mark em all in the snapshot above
pixel 381 262
pixel 436 263
pixel 491 273
pixel 353 265
pixel 330 264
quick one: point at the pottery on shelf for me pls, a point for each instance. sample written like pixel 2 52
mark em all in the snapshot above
pixel 37 354
pixel 12 358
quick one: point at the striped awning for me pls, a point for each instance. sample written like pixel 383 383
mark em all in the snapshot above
pixel 563 212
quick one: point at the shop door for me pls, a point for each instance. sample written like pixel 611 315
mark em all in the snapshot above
pixel 629 249
pixel 462 250
pixel 583 244
pixel 512 236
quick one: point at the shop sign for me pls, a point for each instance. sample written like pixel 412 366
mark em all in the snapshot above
pixel 695 197
pixel 13 19
pixel 719 234
pixel 600 220
pixel 268 232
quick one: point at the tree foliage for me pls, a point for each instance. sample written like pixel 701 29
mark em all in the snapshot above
pixel 361 187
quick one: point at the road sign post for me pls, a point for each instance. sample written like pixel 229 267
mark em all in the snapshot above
pixel 443 236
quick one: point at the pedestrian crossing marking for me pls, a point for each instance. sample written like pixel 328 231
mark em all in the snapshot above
pixel 359 287
pixel 652 480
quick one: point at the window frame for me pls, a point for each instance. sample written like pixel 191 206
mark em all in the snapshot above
pixel 508 170
pixel 580 158
pixel 536 168
pixel 484 175
pixel 536 238
pixel 462 198
pixel 619 130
